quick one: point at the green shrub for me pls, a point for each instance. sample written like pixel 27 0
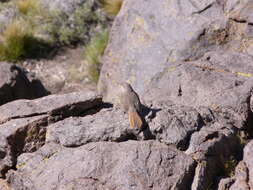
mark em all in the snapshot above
pixel 93 52
pixel 77 27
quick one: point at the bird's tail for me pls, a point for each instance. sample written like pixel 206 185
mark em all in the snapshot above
pixel 134 120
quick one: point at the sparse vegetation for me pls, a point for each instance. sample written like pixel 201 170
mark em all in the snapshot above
pixel 93 52
pixel 18 41
pixel 111 7
pixel 229 166
pixel 14 40
pixel 77 27
pixel 22 38
pixel 27 6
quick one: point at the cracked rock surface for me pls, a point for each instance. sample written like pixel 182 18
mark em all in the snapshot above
pixel 106 165
pixel 191 63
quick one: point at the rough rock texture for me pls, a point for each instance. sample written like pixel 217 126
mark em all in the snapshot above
pixel 218 83
pixel 107 125
pixel 105 165
pixel 65 104
pixel 243 179
pixel 174 124
pixel 191 63
pixel 149 36
pixel 24 123
pixel 16 83
pixel 217 80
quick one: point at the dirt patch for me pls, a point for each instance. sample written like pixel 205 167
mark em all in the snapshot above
pixel 66 72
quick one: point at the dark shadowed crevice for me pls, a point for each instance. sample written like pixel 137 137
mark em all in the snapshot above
pixel 203 10
pixel 126 137
pixel 95 109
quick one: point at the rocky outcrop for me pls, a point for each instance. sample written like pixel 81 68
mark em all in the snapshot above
pixel 243 178
pixel 16 83
pixel 24 122
pixel 149 37
pixel 196 87
pixel 105 165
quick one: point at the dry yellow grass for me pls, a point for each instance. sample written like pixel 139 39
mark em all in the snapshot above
pixel 14 39
pixel 27 6
pixel 111 7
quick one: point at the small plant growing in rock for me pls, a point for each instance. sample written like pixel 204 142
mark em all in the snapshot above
pixel 111 7
pixel 93 52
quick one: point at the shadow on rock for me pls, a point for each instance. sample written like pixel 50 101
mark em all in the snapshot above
pixel 150 113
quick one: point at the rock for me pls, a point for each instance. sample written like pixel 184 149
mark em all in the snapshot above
pixel 105 165
pixel 212 147
pixel 107 125
pixel 149 34
pixel 4 185
pixel 24 122
pixel 219 83
pixel 174 124
pixel 16 83
pixel 243 172
pixel 149 37
pixel 20 135
pixel 55 105
pixel 225 183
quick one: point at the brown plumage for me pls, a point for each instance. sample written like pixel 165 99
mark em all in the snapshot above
pixel 131 104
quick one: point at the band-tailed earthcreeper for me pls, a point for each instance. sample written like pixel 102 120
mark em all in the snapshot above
pixel 130 103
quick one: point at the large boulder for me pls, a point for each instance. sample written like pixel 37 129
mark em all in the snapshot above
pixel 218 82
pixel 105 165
pixel 149 36
pixel 16 83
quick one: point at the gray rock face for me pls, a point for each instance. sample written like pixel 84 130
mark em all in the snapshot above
pixel 107 125
pixel 243 178
pixel 191 65
pixel 24 123
pixel 149 36
pixel 174 124
pixel 212 147
pixel 15 83
pixel 219 83
pixel 105 165
pixel 66 104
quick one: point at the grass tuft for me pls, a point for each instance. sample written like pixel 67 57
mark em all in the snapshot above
pixel 27 6
pixel 13 40
pixel 17 41
pixel 93 52
pixel 111 7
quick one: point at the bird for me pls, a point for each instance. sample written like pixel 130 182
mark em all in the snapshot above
pixel 130 103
